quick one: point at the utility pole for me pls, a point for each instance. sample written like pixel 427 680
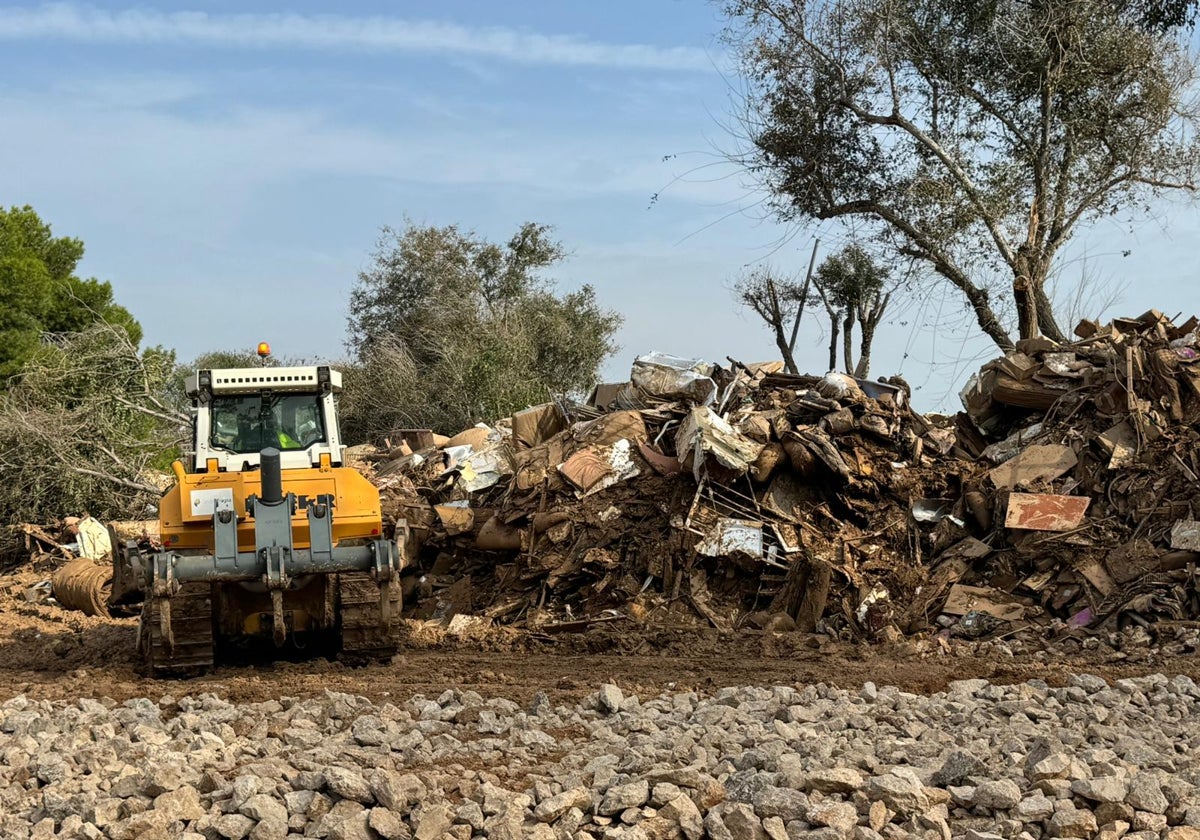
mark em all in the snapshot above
pixel 803 297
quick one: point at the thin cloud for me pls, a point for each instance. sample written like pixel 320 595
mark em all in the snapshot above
pixel 85 24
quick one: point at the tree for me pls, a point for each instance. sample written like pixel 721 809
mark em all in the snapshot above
pixel 40 294
pixel 449 329
pixel 778 301
pixel 1158 15
pixel 86 427
pixel 855 290
pixel 980 136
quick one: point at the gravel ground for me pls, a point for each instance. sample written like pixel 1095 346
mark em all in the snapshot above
pixel 979 760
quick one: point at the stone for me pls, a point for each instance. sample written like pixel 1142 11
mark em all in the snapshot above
pixel 549 810
pixel 183 803
pixel 710 793
pixel 899 794
pixel 841 816
pixel 957 768
pixel 470 813
pixel 107 810
pixel 1113 812
pixel 347 820
pixel 878 816
pixel 243 788
pixel 744 785
pixel 1101 789
pixel 785 803
pixel 387 824
pixel 997 794
pixel 348 784
pixel 1071 823
pixel 1146 794
pixel 610 698
pixel 1113 830
pixel 1034 808
pixel 683 811
pixel 662 793
pixel 264 807
pixel 269 829
pixel 430 820
pixel 233 826
pixel 834 780
pixel 396 791
pixel 1053 766
pixel 775 829
pixel 1182 832
pixel 620 797
pixel 495 799
pixel 966 687
pixel 740 823
pixel 1146 821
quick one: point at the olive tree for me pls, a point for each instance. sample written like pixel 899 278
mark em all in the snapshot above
pixel 979 136
pixel 448 329
pixel 855 290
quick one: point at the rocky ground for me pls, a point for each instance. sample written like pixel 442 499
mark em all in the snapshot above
pixel 979 760
pixel 510 734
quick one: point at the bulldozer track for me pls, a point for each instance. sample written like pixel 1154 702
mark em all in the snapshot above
pixel 364 640
pixel 191 623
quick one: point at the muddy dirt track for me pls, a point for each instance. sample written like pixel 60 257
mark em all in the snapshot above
pixel 47 652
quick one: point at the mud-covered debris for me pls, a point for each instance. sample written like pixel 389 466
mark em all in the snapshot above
pixel 693 493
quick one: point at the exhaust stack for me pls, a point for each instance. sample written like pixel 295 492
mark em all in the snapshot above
pixel 271 475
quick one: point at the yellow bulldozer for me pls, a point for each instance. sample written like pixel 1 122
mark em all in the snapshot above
pixel 268 538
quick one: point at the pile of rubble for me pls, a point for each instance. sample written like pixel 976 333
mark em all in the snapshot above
pixel 691 493
pixel 63 578
pixel 1081 480
pixel 1064 496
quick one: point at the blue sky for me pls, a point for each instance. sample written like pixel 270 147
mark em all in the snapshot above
pixel 229 169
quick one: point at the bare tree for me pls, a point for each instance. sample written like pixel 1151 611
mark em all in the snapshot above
pixel 837 315
pixel 1089 295
pixel 777 301
pixel 88 426
pixel 981 135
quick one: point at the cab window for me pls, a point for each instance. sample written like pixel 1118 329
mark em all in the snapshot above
pixel 251 423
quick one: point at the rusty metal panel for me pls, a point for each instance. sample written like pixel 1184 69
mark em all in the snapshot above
pixel 1045 511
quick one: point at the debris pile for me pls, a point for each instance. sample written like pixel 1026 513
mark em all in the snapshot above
pixel 73 582
pixel 1082 492
pixel 1066 496
pixel 735 496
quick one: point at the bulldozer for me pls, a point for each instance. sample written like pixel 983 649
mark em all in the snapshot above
pixel 268 540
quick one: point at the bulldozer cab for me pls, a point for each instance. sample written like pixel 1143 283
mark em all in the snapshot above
pixel 240 412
